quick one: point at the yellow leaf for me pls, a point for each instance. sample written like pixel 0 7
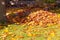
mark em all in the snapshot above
pixel 8 25
pixel 6 30
pixel 52 34
pixel 58 15
pixel 32 22
pixel 34 35
pixel 49 24
pixel 29 34
pixel 17 23
pixel 27 17
pixel 21 36
pixel 13 39
pixel 10 33
pixel 49 38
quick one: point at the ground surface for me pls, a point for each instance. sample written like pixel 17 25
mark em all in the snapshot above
pixel 31 31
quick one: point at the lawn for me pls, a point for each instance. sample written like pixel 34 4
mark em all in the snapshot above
pixel 26 32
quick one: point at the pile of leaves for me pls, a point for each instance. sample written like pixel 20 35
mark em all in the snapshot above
pixel 18 15
pixel 39 17
pixel 43 18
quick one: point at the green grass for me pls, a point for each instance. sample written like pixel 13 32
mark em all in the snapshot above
pixel 18 30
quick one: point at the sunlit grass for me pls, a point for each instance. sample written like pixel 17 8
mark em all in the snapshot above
pixel 25 32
